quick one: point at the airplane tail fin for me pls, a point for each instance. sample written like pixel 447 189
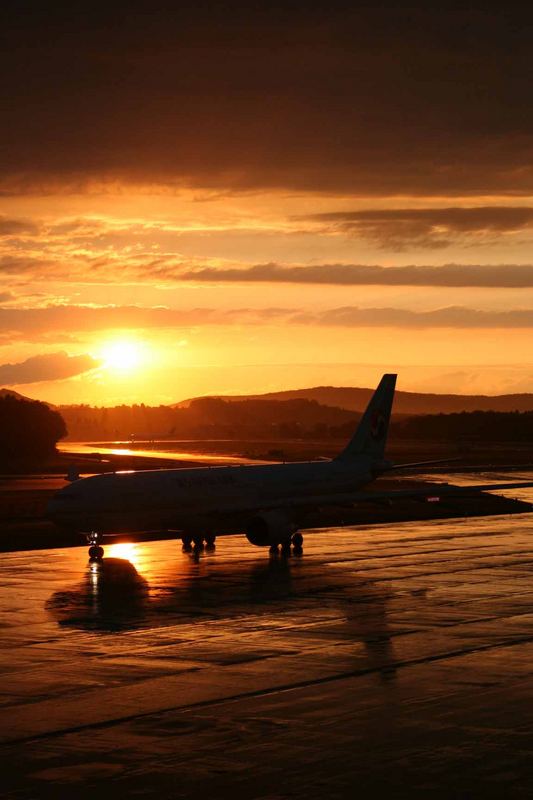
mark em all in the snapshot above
pixel 370 437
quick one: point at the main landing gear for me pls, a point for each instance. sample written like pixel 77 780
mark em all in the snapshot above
pixel 96 551
pixel 197 542
pixel 296 540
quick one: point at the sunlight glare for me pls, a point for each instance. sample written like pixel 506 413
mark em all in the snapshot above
pixel 121 355
pixel 125 550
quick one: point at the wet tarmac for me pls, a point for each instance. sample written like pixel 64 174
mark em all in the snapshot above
pixel 392 660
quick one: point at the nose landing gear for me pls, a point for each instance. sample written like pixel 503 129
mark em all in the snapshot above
pixel 96 551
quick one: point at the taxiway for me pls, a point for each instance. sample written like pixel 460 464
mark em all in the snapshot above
pixel 395 659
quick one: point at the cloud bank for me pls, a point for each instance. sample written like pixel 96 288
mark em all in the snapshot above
pixel 385 100
pixel 47 367
pixel 29 322
pixel 17 227
pixel 452 275
pixel 432 228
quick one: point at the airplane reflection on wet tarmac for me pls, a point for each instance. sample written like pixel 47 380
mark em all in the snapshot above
pixel 406 644
pixel 114 596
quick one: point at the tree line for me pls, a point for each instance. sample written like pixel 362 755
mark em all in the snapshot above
pixel 28 429
pixel 207 418
pixel 488 426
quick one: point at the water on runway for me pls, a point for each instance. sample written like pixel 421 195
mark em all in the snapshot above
pixel 396 658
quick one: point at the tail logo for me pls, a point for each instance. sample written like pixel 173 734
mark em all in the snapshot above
pixel 378 424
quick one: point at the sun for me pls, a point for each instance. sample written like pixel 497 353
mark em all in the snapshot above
pixel 123 354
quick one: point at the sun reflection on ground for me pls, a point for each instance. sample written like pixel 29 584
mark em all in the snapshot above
pixel 126 550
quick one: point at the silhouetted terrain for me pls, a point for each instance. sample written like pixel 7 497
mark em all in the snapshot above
pixel 11 393
pixel 355 399
pixel 207 418
pixel 486 426
pixel 263 418
pixel 211 418
pixel 28 430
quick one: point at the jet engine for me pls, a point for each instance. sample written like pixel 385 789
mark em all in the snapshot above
pixel 269 528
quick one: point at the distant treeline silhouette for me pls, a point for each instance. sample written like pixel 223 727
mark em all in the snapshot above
pixel 489 426
pixel 28 429
pixel 208 418
pixel 205 418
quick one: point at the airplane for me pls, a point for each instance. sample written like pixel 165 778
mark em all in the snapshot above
pixel 268 503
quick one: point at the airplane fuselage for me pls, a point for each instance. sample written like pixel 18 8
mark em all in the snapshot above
pixel 212 497
pixel 266 502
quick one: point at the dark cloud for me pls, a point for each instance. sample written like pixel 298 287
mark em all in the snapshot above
pixel 47 367
pixel 32 266
pixel 459 275
pixel 112 265
pixel 95 266
pixel 332 97
pixel 452 317
pixel 17 227
pixel 24 324
pixel 23 321
pixel 97 251
pixel 432 228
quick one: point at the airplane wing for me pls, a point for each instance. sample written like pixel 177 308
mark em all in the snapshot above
pixel 434 492
pixel 414 464
pixel 439 490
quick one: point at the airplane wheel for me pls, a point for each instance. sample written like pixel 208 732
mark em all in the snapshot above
pixel 297 541
pixel 286 548
pixel 96 553
pixel 210 540
pixel 198 542
pixel 187 541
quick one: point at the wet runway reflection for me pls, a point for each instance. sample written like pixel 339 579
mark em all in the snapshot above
pixel 113 595
pixel 408 645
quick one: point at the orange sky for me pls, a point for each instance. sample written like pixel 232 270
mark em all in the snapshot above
pixel 229 217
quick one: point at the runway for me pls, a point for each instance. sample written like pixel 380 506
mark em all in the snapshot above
pixel 394 658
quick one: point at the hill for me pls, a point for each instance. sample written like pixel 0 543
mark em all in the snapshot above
pixel 355 399
pixel 205 417
pixel 29 431
pixel 11 393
